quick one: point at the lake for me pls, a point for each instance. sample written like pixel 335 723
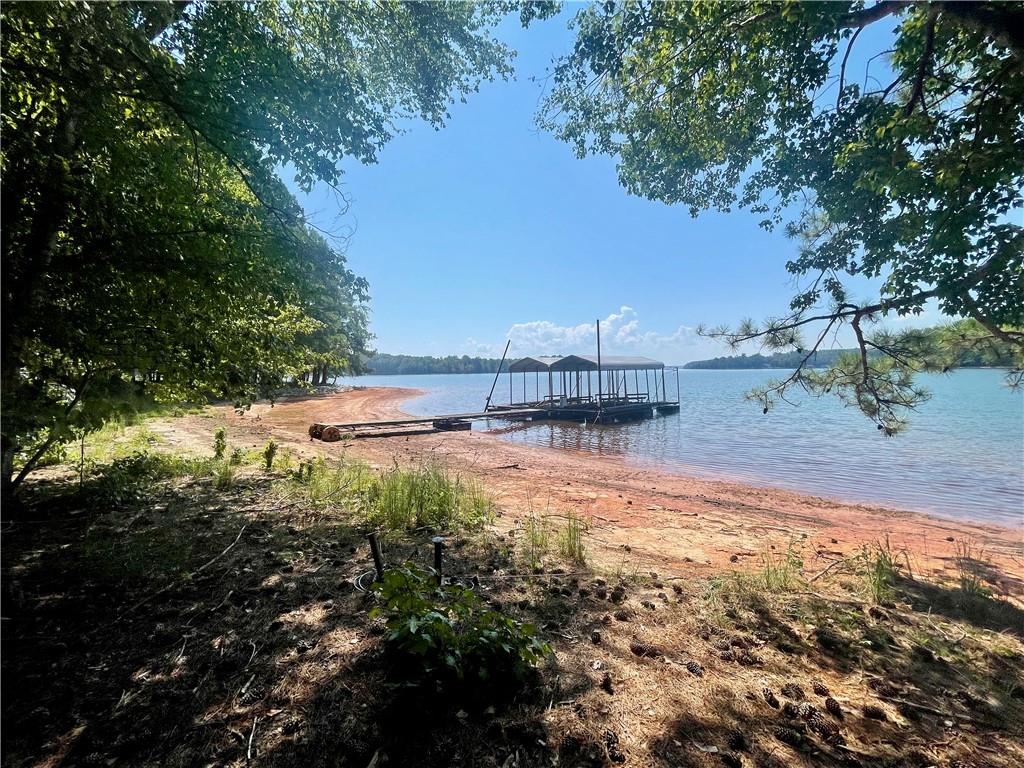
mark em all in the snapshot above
pixel 961 457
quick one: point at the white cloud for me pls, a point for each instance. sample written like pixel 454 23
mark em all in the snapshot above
pixel 621 332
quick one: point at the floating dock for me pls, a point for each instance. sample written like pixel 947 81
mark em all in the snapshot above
pixel 570 394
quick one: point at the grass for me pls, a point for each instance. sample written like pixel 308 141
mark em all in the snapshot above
pixel 536 540
pixel 970 562
pixel 880 567
pixel 571 540
pixel 224 475
pixel 780 571
pixel 427 496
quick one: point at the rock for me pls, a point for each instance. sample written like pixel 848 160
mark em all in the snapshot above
pixel 734 558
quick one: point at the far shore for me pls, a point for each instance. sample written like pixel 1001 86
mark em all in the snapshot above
pixel 640 518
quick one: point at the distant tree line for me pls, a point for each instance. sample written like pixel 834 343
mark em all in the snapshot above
pixel 821 359
pixel 385 364
pixel 961 344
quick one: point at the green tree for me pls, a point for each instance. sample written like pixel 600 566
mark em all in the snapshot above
pixel 149 247
pixel 911 173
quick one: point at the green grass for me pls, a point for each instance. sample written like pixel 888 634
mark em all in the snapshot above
pixel 970 562
pixel 426 496
pixel 536 540
pixel 572 539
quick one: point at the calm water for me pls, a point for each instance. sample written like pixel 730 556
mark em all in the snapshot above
pixel 962 456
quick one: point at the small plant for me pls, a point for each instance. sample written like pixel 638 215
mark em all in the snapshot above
pixel 447 634
pixel 269 452
pixel 780 572
pixel 224 475
pixel 220 443
pixel 970 563
pixel 237 457
pixel 571 544
pixel 536 540
pixel 881 567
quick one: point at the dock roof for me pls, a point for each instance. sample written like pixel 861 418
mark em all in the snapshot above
pixel 584 363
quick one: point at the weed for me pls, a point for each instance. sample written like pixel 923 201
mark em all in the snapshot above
pixel 880 568
pixel 780 572
pixel 571 544
pixel 220 443
pixel 970 563
pixel 537 539
pixel 448 632
pixel 426 496
pixel 224 475
pixel 237 457
pixel 269 452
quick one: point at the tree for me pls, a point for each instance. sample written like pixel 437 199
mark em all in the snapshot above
pixel 912 174
pixel 149 247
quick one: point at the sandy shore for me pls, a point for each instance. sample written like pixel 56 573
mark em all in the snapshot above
pixel 641 518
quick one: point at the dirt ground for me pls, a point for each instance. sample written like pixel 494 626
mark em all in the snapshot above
pixel 675 524
pixel 186 624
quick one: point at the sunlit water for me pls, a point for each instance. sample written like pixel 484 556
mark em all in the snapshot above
pixel 962 455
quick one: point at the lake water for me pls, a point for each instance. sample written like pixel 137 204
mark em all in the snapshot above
pixel 962 455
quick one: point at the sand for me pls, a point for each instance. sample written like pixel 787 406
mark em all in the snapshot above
pixel 641 518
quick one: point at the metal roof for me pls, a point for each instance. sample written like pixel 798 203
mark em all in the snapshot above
pixel 584 363
pixel 533 364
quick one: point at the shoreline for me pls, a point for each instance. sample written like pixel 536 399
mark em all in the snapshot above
pixel 640 517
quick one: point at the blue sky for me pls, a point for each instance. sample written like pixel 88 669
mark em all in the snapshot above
pixel 490 229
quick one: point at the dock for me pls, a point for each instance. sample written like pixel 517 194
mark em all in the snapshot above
pixel 576 388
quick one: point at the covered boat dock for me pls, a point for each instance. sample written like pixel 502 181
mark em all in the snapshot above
pixel 588 388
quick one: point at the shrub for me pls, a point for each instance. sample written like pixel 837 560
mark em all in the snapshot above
pixel 446 633
pixel 220 443
pixel 269 452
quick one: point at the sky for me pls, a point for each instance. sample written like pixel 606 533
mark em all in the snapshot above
pixel 491 229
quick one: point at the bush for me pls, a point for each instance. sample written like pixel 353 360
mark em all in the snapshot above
pixel 445 633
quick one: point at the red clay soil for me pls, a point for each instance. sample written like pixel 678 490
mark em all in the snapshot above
pixel 640 518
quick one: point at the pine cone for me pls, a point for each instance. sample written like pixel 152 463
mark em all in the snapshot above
pixel 727 656
pixel 790 710
pixel 730 760
pixel 808 711
pixel 833 708
pixel 737 740
pixel 819 688
pixel 769 696
pixel 789 736
pixel 828 730
pixel 875 713
pixel 695 669
pixel 644 649
pixel 793 691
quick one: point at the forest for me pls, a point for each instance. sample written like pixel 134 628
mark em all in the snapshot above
pixel 385 364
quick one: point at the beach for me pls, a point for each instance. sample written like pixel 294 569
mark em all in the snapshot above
pixel 640 518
